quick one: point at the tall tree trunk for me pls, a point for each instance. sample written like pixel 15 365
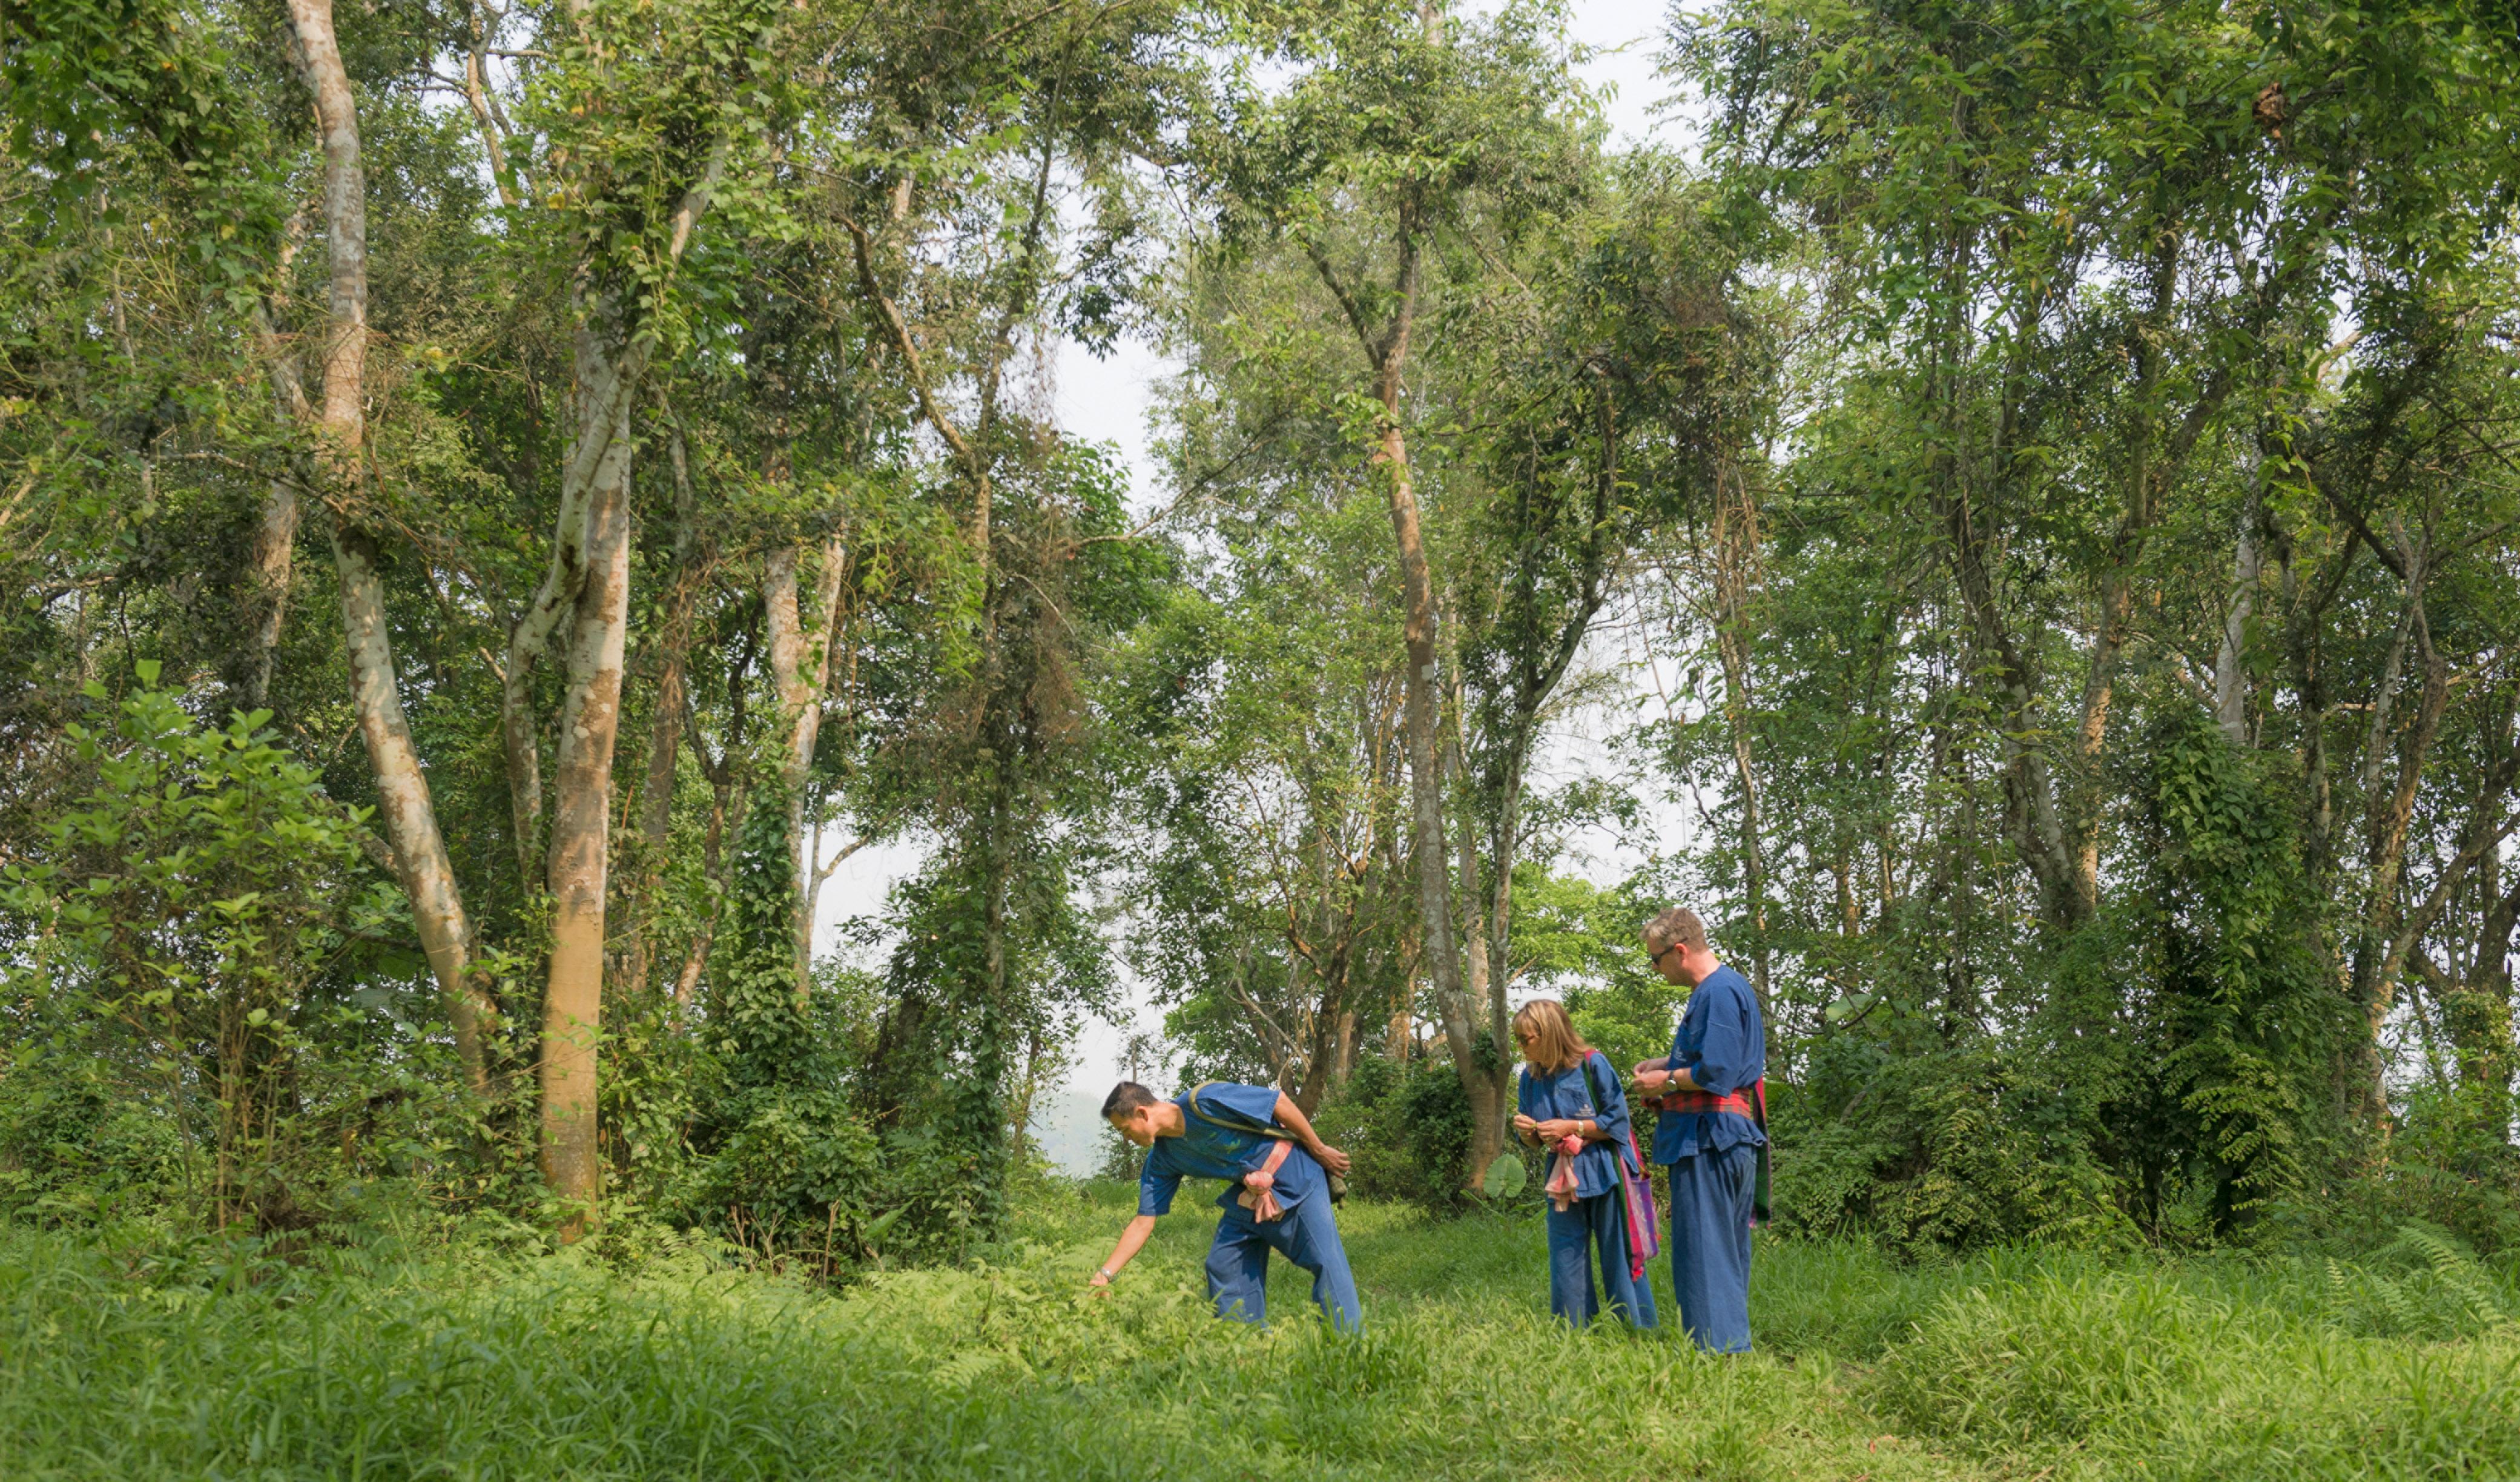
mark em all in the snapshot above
pixel 2387 816
pixel 1332 960
pixel 2305 612
pixel 265 608
pixel 997 1002
pixel 402 791
pixel 521 748
pixel 1331 1019
pixel 610 352
pixel 2230 680
pixel 800 664
pixel 1439 948
pixel 582 783
pixel 262 604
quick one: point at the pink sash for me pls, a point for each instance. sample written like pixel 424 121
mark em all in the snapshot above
pixel 1257 1184
pixel 1560 1187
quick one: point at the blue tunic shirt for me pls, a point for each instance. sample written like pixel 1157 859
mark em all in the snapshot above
pixel 1205 1151
pixel 1723 1046
pixel 1589 1088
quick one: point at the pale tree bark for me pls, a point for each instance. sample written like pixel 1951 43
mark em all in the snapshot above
pixel 2231 677
pixel 582 777
pixel 1487 994
pixel 823 870
pixel 403 800
pixel 611 363
pixel 611 354
pixel 800 665
pixel 598 450
pixel 488 116
pixel 523 749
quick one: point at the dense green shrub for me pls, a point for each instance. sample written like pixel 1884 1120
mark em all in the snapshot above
pixel 2452 1164
pixel 1943 1150
pixel 743 1120
pixel 71 1151
pixel 204 1008
pixel 1408 1127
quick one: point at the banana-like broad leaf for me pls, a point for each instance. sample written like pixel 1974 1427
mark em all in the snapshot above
pixel 1505 1177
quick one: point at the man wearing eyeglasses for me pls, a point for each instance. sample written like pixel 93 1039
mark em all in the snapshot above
pixel 1711 1131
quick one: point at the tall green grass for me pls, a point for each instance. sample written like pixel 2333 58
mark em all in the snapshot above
pixel 390 1362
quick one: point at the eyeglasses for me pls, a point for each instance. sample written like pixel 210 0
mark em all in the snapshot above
pixel 1657 959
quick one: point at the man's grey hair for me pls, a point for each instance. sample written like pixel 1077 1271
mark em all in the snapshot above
pixel 1677 924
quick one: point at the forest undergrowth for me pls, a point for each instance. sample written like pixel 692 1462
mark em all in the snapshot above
pixel 400 1357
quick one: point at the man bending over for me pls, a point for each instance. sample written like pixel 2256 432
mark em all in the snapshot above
pixel 1277 1194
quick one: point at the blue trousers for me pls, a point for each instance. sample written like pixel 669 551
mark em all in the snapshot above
pixel 1710 1246
pixel 1238 1264
pixel 1598 1223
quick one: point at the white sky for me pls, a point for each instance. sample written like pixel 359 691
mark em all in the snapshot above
pixel 1110 401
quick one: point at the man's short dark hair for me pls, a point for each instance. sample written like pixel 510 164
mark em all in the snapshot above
pixel 1126 1098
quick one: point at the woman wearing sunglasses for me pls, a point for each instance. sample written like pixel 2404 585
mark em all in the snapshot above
pixel 1569 1104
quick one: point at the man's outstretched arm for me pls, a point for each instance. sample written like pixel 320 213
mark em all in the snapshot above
pixel 1291 1117
pixel 1132 1240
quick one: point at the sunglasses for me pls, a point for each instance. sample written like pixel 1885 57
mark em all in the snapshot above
pixel 1657 959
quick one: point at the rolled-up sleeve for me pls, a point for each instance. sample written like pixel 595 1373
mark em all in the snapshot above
pixel 1724 1049
pixel 1157 1182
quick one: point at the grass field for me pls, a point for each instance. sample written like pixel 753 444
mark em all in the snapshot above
pixel 389 1362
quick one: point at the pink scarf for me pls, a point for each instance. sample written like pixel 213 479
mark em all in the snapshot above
pixel 1257 1184
pixel 1560 1187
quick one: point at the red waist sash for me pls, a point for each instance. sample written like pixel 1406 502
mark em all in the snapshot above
pixel 1738 1102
